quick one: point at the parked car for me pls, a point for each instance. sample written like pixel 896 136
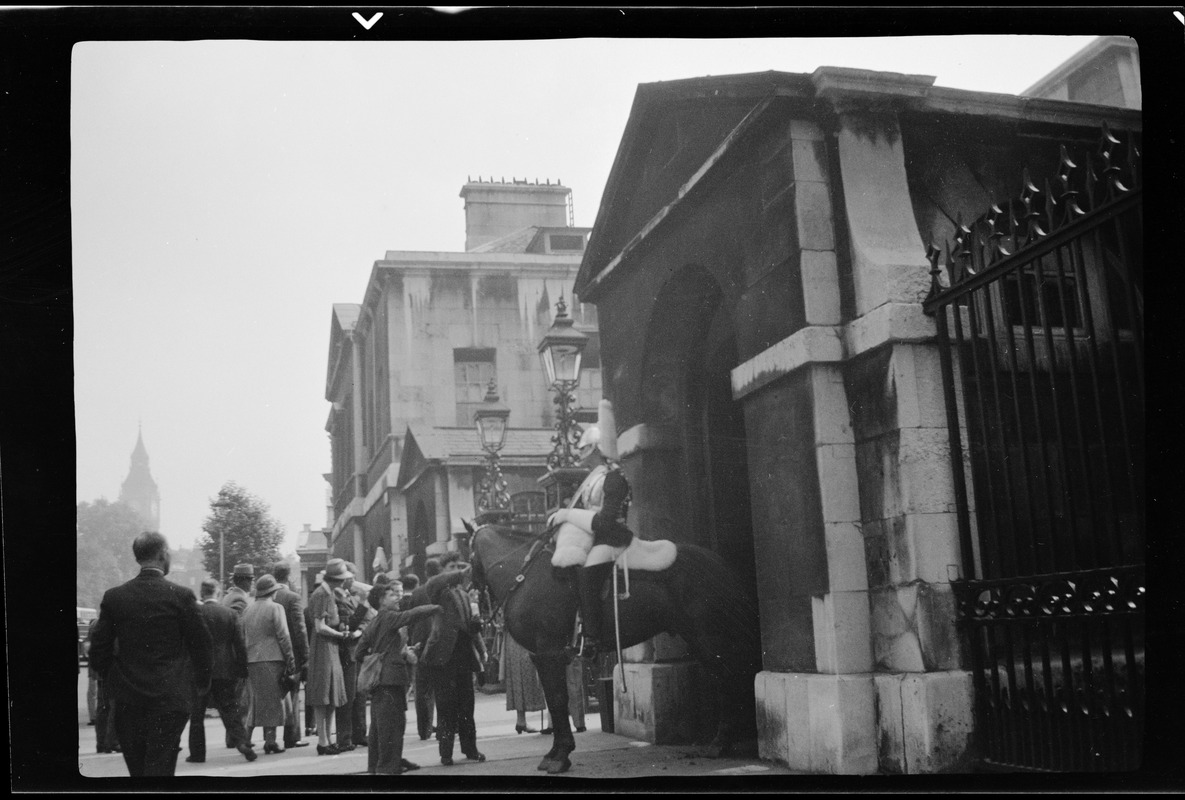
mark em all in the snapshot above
pixel 85 617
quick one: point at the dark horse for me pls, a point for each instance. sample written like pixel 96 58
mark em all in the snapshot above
pixel 698 598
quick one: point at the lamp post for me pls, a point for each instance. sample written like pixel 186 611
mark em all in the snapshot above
pixel 221 544
pixel 493 501
pixel 560 352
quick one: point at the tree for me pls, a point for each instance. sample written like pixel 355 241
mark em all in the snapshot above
pixel 251 535
pixel 105 532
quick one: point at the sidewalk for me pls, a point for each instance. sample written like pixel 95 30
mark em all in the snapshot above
pixel 598 754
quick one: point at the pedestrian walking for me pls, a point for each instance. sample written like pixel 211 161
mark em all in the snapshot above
pixel 106 740
pixel 228 667
pixel 149 640
pixel 270 663
pixel 385 635
pixel 326 685
pixel 294 613
pixel 238 598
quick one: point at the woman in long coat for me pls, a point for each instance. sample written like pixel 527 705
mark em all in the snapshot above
pixel 326 687
pixel 269 661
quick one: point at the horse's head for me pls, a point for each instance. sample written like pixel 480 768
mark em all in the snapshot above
pixel 497 554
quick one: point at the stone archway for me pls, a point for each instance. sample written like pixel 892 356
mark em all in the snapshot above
pixel 686 394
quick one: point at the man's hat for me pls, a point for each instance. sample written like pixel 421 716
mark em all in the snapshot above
pixel 244 569
pixel 336 570
pixel 265 585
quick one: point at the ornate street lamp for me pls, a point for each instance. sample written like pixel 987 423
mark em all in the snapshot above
pixel 493 501
pixel 560 352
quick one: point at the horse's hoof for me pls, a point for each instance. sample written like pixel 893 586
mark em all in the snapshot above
pixel 545 764
pixel 557 767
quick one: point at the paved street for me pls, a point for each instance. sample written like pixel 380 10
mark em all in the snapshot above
pixel 598 754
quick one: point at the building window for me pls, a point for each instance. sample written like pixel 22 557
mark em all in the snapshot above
pixel 1044 294
pixel 566 241
pixel 473 369
pixel 530 511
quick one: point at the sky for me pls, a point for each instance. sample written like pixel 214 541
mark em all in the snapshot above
pixel 225 194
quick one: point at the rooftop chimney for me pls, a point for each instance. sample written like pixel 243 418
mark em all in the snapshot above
pixel 494 209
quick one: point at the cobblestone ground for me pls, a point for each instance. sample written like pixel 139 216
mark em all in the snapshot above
pixel 598 755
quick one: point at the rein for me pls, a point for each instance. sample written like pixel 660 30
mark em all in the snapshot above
pixel 535 549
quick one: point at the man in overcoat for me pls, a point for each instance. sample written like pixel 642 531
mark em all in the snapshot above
pixel 238 596
pixel 294 612
pixel 149 643
pixel 228 667
pixel 417 637
pixel 453 653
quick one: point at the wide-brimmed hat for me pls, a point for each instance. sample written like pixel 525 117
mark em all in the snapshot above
pixel 336 570
pixel 265 585
pixel 245 569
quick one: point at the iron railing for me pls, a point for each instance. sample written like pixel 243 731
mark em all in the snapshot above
pixel 1040 327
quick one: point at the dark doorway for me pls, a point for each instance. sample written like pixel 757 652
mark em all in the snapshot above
pixel 718 457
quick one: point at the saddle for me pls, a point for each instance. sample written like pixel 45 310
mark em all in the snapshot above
pixel 640 554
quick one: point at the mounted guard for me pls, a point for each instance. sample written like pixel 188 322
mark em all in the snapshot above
pixel 592 535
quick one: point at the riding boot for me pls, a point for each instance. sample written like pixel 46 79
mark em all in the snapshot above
pixel 589 582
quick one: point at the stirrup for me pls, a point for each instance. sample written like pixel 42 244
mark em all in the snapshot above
pixel 587 647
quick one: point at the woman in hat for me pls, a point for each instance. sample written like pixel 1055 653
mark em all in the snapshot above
pixel 269 662
pixel 326 687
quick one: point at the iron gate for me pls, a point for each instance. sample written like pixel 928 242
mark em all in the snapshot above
pixel 1040 327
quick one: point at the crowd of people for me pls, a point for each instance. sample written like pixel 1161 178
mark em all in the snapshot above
pixel 159 658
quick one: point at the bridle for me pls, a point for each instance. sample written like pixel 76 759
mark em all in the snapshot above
pixel 537 544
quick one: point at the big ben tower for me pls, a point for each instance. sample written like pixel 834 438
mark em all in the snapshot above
pixel 139 489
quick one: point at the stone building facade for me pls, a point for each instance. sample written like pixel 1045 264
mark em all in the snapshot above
pixel 758 265
pixel 1106 72
pixel 411 363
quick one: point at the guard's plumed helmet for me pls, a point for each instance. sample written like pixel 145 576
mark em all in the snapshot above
pixel 603 435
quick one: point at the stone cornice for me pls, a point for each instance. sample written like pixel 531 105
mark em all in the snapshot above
pixel 890 323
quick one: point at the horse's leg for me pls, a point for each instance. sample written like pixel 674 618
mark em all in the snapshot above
pixel 552 668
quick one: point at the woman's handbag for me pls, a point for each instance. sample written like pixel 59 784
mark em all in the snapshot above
pixel 369 672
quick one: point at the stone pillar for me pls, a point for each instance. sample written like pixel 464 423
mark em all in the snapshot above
pixel 815 697
pixel 902 452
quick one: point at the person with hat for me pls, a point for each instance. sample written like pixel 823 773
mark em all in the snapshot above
pixel 294 612
pixel 270 663
pixel 238 596
pixel 385 635
pixel 595 516
pixel 453 651
pixel 326 688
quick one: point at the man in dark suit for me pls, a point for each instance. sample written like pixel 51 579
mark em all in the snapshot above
pixel 452 653
pixel 237 598
pixel 417 637
pixel 294 612
pixel 228 667
pixel 149 643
